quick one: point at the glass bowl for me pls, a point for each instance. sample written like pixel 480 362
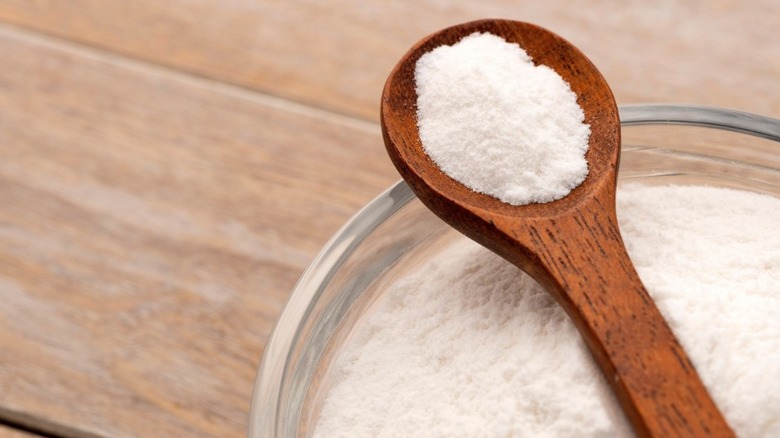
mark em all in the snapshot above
pixel 662 144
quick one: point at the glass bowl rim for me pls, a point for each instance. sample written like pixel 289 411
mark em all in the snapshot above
pixel 271 372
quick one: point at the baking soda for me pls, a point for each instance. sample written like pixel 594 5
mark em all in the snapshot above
pixel 492 120
pixel 469 346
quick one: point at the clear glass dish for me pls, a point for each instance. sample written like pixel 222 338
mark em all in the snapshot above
pixel 662 144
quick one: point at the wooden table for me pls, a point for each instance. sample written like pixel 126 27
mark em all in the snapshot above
pixel 168 169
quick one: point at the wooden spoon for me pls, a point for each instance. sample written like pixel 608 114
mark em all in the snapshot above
pixel 571 246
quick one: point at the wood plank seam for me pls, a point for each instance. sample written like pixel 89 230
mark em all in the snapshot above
pixel 38 426
pixel 138 65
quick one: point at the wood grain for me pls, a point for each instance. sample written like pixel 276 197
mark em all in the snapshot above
pixel 152 228
pixel 720 52
pixel 571 246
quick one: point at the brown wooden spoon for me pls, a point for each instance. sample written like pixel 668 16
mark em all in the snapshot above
pixel 571 246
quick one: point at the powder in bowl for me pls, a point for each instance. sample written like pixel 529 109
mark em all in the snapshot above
pixel 492 120
pixel 470 346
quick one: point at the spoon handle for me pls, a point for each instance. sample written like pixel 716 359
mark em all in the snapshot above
pixel 650 373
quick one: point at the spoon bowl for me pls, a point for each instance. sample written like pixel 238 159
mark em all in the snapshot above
pixel 572 246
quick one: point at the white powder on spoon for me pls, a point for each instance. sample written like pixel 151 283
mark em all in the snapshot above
pixel 469 346
pixel 492 120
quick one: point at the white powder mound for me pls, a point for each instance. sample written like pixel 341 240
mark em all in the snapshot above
pixel 468 346
pixel 501 126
